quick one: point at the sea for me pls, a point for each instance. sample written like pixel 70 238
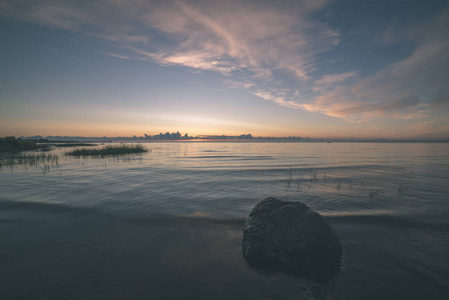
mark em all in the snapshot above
pixel 167 224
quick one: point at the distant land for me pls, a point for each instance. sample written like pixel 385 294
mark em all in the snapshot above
pixel 243 138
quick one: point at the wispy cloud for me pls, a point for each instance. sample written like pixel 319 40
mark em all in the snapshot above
pixel 273 51
pixel 232 37
pixel 281 100
pixel 335 78
pixel 116 55
pixel 240 38
pixel 341 103
pixel 401 90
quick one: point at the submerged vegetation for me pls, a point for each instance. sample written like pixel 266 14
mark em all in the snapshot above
pixel 302 179
pixel 40 160
pixel 374 193
pixel 109 151
pixel 49 160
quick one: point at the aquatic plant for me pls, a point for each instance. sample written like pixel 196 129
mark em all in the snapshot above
pixel 303 175
pixel 290 177
pixel 339 180
pixel 374 193
pixel 39 159
pixel 109 151
pixel 401 190
pixel 295 176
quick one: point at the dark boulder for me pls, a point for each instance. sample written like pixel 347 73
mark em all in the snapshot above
pixel 290 237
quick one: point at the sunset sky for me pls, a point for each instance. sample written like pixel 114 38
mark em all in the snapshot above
pixel 322 69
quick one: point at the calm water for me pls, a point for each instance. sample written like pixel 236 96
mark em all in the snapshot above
pixel 167 224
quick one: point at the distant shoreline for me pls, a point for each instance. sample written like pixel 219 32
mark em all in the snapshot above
pixel 255 140
pixel 233 139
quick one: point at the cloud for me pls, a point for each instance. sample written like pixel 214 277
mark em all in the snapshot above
pixel 116 55
pixel 335 78
pixel 238 84
pixel 236 38
pixel 427 62
pixel 404 89
pixel 229 37
pixel 379 108
pixel 277 99
pixel 272 50
pixel 340 102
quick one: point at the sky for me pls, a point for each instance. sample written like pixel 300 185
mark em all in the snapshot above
pixel 309 68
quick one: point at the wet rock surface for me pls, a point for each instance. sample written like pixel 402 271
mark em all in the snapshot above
pixel 291 238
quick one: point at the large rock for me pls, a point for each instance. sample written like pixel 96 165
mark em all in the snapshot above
pixel 290 237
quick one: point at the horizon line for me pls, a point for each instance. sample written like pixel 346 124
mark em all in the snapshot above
pixel 242 137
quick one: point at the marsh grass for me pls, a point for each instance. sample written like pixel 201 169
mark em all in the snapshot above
pixel 45 161
pixel 401 189
pixel 108 151
pixel 305 178
pixel 339 181
pixel 374 193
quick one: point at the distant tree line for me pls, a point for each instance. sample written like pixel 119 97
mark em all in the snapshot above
pixel 168 136
pixel 178 136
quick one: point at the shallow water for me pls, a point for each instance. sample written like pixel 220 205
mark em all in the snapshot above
pixel 167 224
